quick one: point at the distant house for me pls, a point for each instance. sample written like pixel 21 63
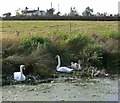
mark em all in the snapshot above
pixel 34 12
pixel 7 14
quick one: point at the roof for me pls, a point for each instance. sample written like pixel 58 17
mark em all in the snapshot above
pixel 33 11
pixel 30 11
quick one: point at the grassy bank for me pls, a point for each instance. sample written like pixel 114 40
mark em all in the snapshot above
pixel 36 43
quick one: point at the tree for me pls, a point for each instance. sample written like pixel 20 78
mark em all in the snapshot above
pixel 18 12
pixel 88 12
pixel 102 14
pixel 50 11
pixel 58 13
pixel 73 12
pixel 98 14
pixel 111 15
pixel 65 14
pixel 26 8
pixel 105 14
pixel 7 14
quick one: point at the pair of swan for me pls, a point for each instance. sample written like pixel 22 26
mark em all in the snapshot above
pixel 76 66
pixel 19 76
pixel 62 69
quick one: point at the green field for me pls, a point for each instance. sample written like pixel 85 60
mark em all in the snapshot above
pixel 36 43
pixel 45 28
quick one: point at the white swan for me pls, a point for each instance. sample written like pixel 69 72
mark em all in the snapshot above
pixel 19 76
pixel 76 66
pixel 73 65
pixel 62 69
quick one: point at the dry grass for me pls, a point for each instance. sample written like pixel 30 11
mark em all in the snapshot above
pixel 46 28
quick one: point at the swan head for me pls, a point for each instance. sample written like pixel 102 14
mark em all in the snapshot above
pixel 72 63
pixel 57 56
pixel 22 67
pixel 79 61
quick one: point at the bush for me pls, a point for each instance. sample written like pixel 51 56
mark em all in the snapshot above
pixel 77 43
pixel 38 53
pixel 36 56
pixel 31 44
pixel 36 42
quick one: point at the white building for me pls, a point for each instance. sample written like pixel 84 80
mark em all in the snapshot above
pixel 34 12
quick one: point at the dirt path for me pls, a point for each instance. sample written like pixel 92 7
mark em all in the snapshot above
pixel 80 90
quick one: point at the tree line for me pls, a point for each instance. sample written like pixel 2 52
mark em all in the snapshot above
pixel 87 14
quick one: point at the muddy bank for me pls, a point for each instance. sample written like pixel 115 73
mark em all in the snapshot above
pixel 100 89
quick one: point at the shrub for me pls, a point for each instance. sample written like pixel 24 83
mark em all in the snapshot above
pixel 112 35
pixel 31 44
pixel 10 45
pixel 77 43
pixel 36 56
pixel 92 54
pixel 35 42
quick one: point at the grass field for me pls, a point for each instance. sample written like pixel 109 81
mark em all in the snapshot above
pixel 48 28
pixel 35 44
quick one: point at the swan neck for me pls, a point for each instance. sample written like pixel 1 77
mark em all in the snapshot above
pixel 79 65
pixel 21 70
pixel 58 66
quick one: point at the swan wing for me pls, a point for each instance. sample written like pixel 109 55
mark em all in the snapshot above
pixel 64 69
pixel 19 76
pixel 23 77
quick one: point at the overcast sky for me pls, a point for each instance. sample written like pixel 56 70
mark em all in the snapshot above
pixel 109 6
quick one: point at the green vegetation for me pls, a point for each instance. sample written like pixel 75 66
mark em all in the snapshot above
pixel 36 43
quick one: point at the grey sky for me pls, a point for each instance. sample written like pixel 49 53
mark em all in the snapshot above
pixel 109 6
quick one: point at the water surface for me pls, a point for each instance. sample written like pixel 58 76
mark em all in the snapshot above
pixel 100 89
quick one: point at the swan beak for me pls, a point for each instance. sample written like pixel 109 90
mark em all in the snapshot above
pixel 55 57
